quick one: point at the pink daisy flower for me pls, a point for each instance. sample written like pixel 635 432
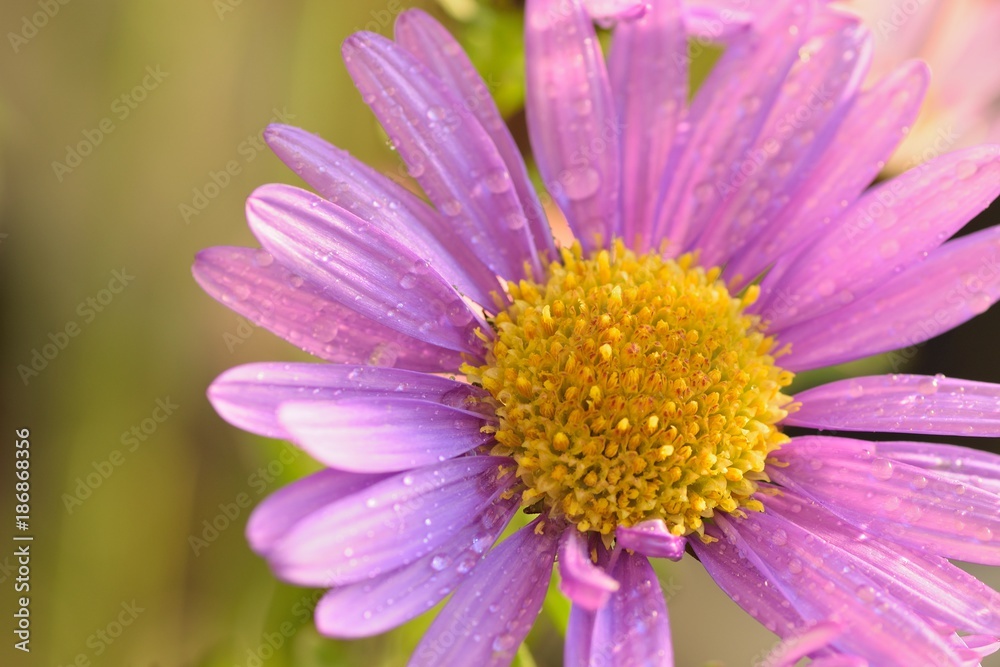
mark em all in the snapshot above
pixel 622 391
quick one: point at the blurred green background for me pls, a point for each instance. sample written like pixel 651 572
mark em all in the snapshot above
pixel 117 120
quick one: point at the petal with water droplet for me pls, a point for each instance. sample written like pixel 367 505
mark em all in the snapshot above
pixel 434 46
pixel 298 310
pixel 358 264
pixel 368 608
pixel 248 396
pixel 383 433
pixel 391 524
pixel 491 613
pixel 955 283
pixel 571 117
pixel 902 403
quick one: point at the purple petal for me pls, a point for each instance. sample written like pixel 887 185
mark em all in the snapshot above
pixel 434 46
pixel 887 230
pixel 608 11
pixel 632 628
pixel 971 466
pixel 929 585
pixel 586 584
pixel 874 125
pixel 579 632
pixel 648 73
pixel 388 206
pixel 446 150
pixel 800 646
pixel 958 281
pixel 251 283
pixel 381 434
pixel 726 116
pixel 651 538
pixel 277 515
pixel 248 396
pixel 361 266
pixel 815 97
pixel 368 608
pixel 571 117
pixel 902 503
pixel 902 403
pixel 714 23
pixel 823 583
pixel 741 575
pixel 490 615
pixel 393 523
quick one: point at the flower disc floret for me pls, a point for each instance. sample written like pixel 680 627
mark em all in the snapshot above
pixel 630 388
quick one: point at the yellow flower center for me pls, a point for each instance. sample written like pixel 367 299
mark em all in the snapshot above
pixel 630 388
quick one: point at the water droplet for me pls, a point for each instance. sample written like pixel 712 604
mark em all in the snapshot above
pixel 408 480
pixel 416 170
pixel 504 643
pixel 882 469
pixel 451 208
pixel 436 113
pixel 515 221
pixel 779 537
pixel 928 386
pixel 263 258
pixel 458 313
pixel 580 183
pixel 408 281
pixel 826 287
pixel 439 563
pixel 966 169
pixel 888 248
pixel 795 566
pixel 497 181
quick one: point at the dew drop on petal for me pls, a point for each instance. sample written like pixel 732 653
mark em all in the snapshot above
pixel 580 183
pixel 882 469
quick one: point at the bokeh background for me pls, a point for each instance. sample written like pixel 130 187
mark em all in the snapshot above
pixel 118 123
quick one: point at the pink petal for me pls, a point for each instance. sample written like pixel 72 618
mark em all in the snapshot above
pixel 571 117
pixel 902 503
pixel 801 645
pixel 586 584
pixel 446 150
pixel 277 515
pixel 368 608
pixel 633 627
pixel 822 583
pixel 726 116
pixel 928 585
pixel 486 620
pixel 434 46
pixel 902 403
pixel 816 96
pixel 874 125
pixel 381 434
pixel 651 538
pixel 359 189
pixel 648 72
pixel 970 466
pixel 741 575
pixel 887 230
pixel 391 524
pixel 958 281
pixel 270 296
pixel 361 266
pixel 248 396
